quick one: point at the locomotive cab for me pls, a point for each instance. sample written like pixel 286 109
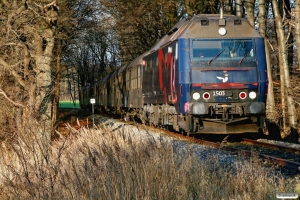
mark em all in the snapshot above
pixel 227 77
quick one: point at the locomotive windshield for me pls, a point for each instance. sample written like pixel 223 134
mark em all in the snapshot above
pixel 223 50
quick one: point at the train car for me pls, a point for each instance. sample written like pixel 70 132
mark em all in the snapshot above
pixel 206 76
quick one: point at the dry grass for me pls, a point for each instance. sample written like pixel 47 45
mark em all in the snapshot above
pixel 104 164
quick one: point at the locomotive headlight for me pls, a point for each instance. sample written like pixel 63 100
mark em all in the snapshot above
pixel 222 31
pixel 196 96
pixel 252 95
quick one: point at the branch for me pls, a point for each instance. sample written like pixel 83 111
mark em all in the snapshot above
pixel 37 37
pixel 5 3
pixel 29 7
pixel 271 46
pixel 53 3
pixel 11 101
pixel 14 13
pixel 13 72
pixel 38 5
pixel 288 35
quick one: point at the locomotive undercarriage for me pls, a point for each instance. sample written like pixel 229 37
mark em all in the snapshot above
pixel 219 120
pixel 197 125
pixel 160 115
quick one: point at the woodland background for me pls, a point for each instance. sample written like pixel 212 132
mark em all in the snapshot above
pixel 44 43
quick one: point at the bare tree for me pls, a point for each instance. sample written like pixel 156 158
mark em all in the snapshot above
pixel 194 7
pixel 262 30
pixel 79 29
pixel 284 71
pixel 139 24
pixel 286 13
pixel 297 27
pixel 249 5
pixel 227 6
pixel 238 8
pixel 89 58
pixel 27 40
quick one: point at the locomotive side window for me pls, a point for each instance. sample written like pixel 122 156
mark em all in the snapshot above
pixel 226 49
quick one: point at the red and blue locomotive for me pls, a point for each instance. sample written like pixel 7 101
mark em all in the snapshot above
pixel 206 76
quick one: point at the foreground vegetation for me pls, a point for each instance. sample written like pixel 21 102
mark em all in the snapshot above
pixel 105 164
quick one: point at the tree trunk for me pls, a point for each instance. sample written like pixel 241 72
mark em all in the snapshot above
pixel 297 31
pixel 249 5
pixel 284 70
pixel 290 37
pixel 28 42
pixel 271 113
pixel 238 8
pixel 227 5
pixel 283 100
pixel 56 73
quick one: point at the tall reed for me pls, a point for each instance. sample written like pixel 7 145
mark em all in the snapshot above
pixel 129 163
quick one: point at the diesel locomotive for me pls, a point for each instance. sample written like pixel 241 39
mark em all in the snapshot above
pixel 206 76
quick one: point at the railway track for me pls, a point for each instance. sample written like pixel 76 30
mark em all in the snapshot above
pixel 281 155
pixel 272 159
pixel 268 158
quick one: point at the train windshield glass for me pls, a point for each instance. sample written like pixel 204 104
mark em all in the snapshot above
pixel 223 50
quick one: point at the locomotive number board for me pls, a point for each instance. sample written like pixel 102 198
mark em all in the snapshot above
pixel 218 93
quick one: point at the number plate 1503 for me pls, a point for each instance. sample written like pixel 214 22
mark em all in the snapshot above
pixel 218 93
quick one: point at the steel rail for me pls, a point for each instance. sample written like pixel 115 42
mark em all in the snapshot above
pixel 274 146
pixel 279 161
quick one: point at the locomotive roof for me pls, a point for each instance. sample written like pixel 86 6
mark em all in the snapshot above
pixel 207 26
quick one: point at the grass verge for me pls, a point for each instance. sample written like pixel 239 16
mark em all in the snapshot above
pixel 129 164
pixel 69 104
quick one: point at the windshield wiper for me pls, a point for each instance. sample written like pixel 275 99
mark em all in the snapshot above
pixel 246 54
pixel 215 57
